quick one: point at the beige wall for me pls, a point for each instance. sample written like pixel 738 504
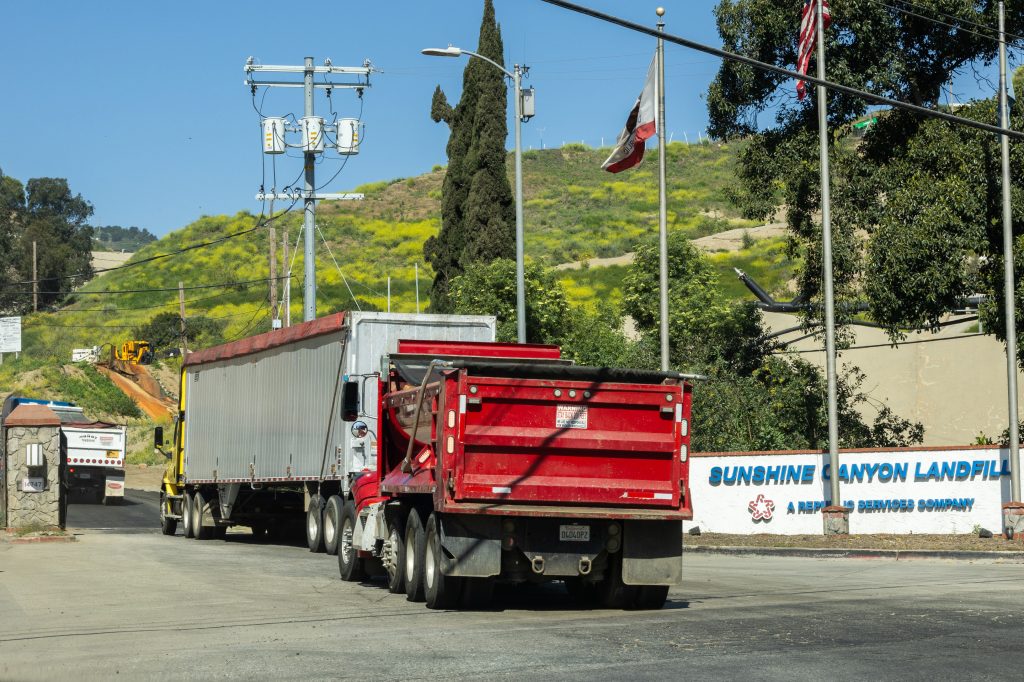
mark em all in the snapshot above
pixel 953 382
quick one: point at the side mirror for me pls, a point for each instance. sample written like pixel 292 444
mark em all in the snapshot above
pixel 350 401
pixel 158 437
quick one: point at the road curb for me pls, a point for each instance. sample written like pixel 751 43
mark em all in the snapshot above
pixel 38 539
pixel 828 553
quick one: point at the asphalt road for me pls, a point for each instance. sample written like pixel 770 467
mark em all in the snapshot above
pixel 138 511
pixel 145 606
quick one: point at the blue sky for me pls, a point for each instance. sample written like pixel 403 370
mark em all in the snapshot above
pixel 142 106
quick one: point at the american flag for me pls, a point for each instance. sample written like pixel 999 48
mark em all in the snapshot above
pixel 809 37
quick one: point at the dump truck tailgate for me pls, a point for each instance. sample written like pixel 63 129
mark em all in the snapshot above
pixel 570 442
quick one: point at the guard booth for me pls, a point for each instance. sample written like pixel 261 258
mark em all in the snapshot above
pixel 33 468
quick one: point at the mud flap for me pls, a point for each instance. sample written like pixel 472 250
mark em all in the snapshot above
pixel 227 494
pixel 471 546
pixel 652 553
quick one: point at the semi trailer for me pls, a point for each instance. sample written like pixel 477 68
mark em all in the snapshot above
pixel 418 449
pixel 259 439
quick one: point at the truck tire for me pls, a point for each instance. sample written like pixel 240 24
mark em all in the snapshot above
pixel 394 560
pixel 350 565
pixel 332 522
pixel 614 593
pixel 441 591
pixel 186 514
pixel 315 524
pixel 167 525
pixel 415 541
pixel 650 597
pixel 199 512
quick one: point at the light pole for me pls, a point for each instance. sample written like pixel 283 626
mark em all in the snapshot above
pixel 516 76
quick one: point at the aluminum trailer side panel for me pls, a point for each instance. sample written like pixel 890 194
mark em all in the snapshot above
pixel 262 411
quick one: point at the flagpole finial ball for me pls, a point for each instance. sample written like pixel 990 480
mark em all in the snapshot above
pixel 660 11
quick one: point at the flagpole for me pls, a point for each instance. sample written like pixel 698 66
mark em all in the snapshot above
pixel 659 98
pixel 842 527
pixel 1013 513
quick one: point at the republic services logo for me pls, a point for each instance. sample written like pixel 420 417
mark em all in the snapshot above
pixel 761 509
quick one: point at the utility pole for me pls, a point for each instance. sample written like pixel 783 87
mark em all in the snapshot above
pixel 35 280
pixel 181 315
pixel 274 321
pixel 313 129
pixel 417 270
pixel 287 283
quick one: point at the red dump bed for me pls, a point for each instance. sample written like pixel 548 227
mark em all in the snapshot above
pixel 569 442
pixel 530 433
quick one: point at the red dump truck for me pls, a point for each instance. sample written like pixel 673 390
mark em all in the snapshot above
pixel 416 448
pixel 505 463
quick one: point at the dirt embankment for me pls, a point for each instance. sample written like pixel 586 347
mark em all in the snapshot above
pixel 154 407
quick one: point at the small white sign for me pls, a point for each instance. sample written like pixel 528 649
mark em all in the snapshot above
pixel 33 485
pixel 574 533
pixel 571 417
pixel 10 334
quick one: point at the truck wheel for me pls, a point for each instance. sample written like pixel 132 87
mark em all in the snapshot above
pixel 442 591
pixel 167 525
pixel 415 539
pixel 332 521
pixel 350 565
pixel 614 593
pixel 199 512
pixel 315 524
pixel 394 557
pixel 650 597
pixel 186 515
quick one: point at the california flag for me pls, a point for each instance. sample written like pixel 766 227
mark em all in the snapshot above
pixel 629 148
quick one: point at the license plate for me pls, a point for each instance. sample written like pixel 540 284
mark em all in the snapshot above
pixel 574 533
pixel 85 475
pixel 113 454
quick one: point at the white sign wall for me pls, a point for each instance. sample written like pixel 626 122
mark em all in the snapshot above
pixel 10 334
pixel 905 490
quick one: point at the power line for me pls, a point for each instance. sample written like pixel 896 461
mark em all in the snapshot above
pixel 782 71
pixel 955 27
pixel 150 259
pixel 248 282
pixel 114 309
pixel 952 17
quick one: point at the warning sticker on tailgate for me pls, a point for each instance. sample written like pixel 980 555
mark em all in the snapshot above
pixel 571 417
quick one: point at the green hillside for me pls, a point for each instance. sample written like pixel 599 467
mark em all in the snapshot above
pixel 573 211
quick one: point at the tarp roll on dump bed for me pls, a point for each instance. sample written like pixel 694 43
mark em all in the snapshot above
pixel 563 372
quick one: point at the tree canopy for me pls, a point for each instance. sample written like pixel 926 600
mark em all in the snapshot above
pixel 477 209
pixel 916 203
pixel 46 212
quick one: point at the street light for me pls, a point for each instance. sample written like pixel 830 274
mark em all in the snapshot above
pixel 516 76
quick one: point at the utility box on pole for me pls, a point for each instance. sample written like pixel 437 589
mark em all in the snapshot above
pixel 313 130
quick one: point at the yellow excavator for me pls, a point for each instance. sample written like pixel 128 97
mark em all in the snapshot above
pixel 134 352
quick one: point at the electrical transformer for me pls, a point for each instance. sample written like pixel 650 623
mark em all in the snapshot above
pixel 273 135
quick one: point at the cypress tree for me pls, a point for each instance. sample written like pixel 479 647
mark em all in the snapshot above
pixel 477 209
